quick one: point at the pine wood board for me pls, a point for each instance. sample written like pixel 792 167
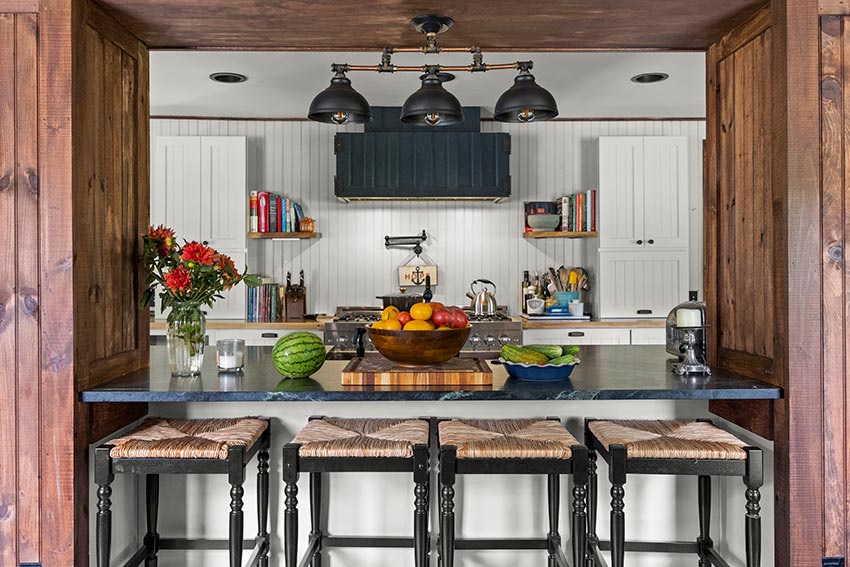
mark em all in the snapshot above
pixel 379 371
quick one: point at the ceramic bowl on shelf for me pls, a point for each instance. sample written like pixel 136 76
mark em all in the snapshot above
pixel 539 372
pixel 419 348
pixel 543 222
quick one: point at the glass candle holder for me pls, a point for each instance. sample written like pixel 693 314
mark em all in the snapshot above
pixel 230 354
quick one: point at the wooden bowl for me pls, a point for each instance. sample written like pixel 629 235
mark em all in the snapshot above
pixel 419 348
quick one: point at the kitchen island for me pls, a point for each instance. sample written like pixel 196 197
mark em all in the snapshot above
pixel 605 373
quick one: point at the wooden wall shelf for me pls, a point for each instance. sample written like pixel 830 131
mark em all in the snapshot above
pixel 559 234
pixel 284 235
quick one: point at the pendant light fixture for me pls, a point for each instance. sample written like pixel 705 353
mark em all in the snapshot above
pixel 525 101
pixel 432 104
pixel 339 103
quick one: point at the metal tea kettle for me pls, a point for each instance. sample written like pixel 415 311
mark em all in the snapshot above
pixel 484 301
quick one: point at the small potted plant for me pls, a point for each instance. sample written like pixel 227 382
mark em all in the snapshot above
pixel 187 277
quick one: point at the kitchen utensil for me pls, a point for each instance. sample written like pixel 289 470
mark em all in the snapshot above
pixel 535 306
pixel 484 301
pixel 564 278
pixel 544 222
pixel 556 280
pixel 573 281
pixel 419 348
pixel 403 300
pixel 577 308
pixel 539 372
pixel 686 336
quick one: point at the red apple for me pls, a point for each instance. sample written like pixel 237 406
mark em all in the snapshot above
pixel 404 318
pixel 459 319
pixel 442 317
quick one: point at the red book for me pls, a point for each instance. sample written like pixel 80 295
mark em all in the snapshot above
pixel 263 211
pixel 280 227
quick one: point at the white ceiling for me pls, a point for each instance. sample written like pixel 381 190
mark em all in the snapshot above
pixel 281 84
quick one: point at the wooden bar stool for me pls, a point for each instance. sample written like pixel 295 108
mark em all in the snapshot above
pixel 187 446
pixel 696 448
pixel 513 446
pixel 330 445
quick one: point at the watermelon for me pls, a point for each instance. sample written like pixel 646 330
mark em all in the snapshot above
pixel 298 355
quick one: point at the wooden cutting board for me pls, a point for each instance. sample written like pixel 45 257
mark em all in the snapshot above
pixel 380 371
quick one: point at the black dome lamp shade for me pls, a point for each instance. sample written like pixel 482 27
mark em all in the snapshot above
pixel 432 105
pixel 525 101
pixel 339 103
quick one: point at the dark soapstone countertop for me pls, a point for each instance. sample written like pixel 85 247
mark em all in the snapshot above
pixel 605 373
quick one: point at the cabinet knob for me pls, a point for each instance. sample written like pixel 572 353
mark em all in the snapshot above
pixel 650 241
pixel 640 241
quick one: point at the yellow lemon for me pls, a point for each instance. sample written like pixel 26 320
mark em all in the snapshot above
pixel 378 325
pixel 421 311
pixel 418 325
pixel 388 313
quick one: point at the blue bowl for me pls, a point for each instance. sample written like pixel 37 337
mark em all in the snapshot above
pixel 539 372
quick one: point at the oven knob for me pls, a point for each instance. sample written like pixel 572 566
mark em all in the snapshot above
pixel 341 341
pixel 490 340
pixel 475 341
pixel 504 340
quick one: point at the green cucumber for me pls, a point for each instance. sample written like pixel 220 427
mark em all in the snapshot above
pixel 551 351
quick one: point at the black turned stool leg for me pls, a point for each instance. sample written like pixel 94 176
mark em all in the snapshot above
pixel 263 505
pixel 421 474
pixel 554 497
pixel 447 515
pixel 236 477
pixel 290 515
pixel 152 510
pixel 704 542
pixel 103 476
pixel 580 479
pixel 753 481
pixel 617 474
pixel 592 496
pixel 316 516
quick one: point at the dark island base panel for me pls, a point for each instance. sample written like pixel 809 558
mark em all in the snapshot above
pixel 605 373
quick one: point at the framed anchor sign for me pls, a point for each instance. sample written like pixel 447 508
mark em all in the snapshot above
pixel 414 270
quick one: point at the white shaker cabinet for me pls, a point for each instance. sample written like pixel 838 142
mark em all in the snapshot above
pixel 644 285
pixel 588 336
pixel 643 192
pixel 200 189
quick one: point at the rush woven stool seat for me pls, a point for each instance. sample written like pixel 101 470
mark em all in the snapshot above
pixel 672 447
pixel 331 445
pixel 513 446
pixel 187 446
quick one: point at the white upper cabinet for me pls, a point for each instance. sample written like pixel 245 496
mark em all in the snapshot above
pixel 200 189
pixel 620 193
pixel 665 192
pixel 177 185
pixel 223 222
pixel 645 284
pixel 643 192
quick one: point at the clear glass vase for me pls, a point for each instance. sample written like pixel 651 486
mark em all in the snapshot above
pixel 186 327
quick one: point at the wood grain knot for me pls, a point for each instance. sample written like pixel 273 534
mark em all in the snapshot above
pixel 32 181
pixel 94 293
pixel 29 303
pixel 5 512
pixel 830 89
pixel 5 182
pixel 3 322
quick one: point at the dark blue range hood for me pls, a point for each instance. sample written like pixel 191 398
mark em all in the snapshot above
pixel 396 161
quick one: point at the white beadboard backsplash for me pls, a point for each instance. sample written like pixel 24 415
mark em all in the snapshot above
pixel 349 265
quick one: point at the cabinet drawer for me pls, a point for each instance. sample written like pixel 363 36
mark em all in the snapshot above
pixel 588 336
pixel 649 336
pixel 255 337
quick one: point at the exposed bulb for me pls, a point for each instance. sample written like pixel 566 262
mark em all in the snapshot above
pixel 339 118
pixel 525 115
pixel 433 118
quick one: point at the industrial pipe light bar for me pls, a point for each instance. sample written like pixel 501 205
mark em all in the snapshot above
pixel 432 104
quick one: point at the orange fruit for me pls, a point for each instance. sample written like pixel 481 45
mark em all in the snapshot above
pixel 418 325
pixel 378 325
pixel 444 328
pixel 391 325
pixel 390 312
pixel 421 311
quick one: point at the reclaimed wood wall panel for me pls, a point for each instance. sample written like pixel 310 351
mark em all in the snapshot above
pixel 739 249
pixel 108 127
pixel 835 143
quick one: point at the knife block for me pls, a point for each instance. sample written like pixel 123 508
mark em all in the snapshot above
pixel 295 307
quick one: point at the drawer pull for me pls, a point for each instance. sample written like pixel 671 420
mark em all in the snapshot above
pixel 575 334
pixel 269 335
pixel 644 311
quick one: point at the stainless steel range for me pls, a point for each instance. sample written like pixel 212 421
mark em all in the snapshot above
pixel 488 333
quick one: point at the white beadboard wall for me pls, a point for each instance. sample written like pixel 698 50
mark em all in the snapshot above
pixel 349 265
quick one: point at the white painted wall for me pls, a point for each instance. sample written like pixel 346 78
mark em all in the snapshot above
pixel 349 264
pixel 657 507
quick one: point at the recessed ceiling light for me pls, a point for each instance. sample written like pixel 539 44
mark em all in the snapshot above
pixel 645 78
pixel 228 78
